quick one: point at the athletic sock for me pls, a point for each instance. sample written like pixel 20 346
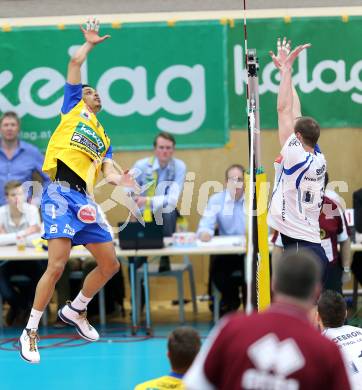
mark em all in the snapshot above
pixel 34 319
pixel 81 301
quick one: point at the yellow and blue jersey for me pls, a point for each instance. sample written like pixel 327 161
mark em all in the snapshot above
pixel 168 382
pixel 79 140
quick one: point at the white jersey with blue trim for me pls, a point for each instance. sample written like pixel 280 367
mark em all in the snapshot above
pixel 349 340
pixel 298 191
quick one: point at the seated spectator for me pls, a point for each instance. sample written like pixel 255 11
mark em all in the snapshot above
pixel 19 159
pixel 225 210
pixel 332 312
pixel 278 348
pixel 164 176
pixel 18 221
pixel 182 347
pixel 18 218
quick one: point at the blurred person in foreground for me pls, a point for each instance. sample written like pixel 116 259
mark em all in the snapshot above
pixel 19 160
pixel 19 225
pixel 332 313
pixel 182 347
pixel 225 212
pixel 277 348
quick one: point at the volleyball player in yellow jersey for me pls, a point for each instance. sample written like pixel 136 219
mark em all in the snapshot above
pixel 77 151
pixel 182 347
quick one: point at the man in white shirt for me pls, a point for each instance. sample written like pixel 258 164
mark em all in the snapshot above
pixel 300 168
pixel 18 221
pixel 332 313
pixel 225 211
pixel 18 218
pixel 163 175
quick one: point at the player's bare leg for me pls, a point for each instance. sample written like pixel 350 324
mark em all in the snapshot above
pixel 107 265
pixel 74 313
pixel 59 250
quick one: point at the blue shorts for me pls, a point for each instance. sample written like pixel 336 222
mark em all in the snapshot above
pixel 68 213
pixel 316 249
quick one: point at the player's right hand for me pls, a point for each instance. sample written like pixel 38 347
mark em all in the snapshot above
pixel 128 180
pixel 91 32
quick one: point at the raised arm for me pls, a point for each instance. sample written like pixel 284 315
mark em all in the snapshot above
pixel 91 39
pixel 288 102
pixel 285 106
pixel 297 109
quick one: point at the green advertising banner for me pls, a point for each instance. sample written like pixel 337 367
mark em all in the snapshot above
pixel 151 77
pixel 328 76
pixel 188 78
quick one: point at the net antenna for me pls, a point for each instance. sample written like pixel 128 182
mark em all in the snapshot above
pixel 252 100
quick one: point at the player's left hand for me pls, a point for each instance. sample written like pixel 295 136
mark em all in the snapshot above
pixel 141 201
pixel 91 32
pixel 285 57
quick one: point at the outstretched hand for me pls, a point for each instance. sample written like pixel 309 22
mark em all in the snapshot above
pixel 128 180
pixel 285 57
pixel 91 32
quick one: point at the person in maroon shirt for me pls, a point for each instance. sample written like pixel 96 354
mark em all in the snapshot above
pixel 334 230
pixel 278 348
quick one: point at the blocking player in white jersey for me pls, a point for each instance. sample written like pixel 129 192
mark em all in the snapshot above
pixel 300 168
pixel 332 313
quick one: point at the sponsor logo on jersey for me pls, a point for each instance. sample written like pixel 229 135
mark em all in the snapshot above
pixel 294 142
pixel 69 230
pixel 84 141
pixel 283 210
pixel 88 137
pixel 321 170
pixel 308 197
pixel 347 336
pixel 87 214
pixel 53 229
pixel 85 114
pixel 307 178
pixel 274 361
